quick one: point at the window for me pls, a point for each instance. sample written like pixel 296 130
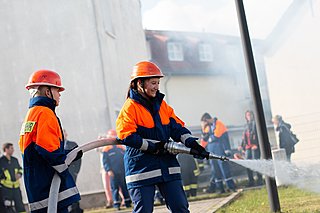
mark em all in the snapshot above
pixel 205 52
pixel 175 51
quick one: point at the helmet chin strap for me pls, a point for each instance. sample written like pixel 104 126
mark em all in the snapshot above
pixel 144 91
pixel 142 85
pixel 54 101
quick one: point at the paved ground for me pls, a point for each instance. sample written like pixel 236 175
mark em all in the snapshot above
pixel 202 206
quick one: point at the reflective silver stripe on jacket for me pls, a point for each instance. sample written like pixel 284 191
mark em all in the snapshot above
pixel 62 195
pixel 143 176
pixel 185 137
pixel 151 174
pixel 145 143
pixel 60 168
pixel 174 170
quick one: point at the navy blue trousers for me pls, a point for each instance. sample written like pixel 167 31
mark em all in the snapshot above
pixel 172 192
pixel 220 169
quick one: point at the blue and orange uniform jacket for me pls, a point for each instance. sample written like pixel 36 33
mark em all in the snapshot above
pixel 42 147
pixel 216 133
pixel 112 159
pixel 140 124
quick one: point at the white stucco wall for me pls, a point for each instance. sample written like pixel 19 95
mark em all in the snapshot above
pixel 93 44
pixel 293 76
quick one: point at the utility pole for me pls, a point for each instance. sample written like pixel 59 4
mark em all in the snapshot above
pixel 258 108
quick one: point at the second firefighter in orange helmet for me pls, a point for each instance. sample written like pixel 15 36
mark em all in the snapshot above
pixel 145 123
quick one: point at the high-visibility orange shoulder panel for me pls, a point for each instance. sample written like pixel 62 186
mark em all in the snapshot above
pixel 126 121
pixel 41 127
pixel 134 114
pixel 165 111
pixel 220 129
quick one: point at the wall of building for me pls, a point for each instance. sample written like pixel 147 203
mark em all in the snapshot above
pixel 222 96
pixel 93 44
pixel 293 73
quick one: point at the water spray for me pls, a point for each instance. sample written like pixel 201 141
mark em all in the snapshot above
pixel 304 176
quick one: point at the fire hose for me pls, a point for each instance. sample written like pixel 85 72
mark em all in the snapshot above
pixel 55 184
pixel 171 147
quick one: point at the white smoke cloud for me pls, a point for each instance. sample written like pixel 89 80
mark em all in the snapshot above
pixel 217 16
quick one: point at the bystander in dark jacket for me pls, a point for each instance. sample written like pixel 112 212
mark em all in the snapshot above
pixel 285 135
pixel 11 172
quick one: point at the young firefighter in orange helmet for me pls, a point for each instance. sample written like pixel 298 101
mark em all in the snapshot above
pixel 42 144
pixel 145 123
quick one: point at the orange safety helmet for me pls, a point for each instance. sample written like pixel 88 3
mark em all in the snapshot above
pixel 145 69
pixel 111 133
pixel 45 78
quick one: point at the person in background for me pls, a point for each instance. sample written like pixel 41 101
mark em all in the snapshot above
pixel 215 134
pixel 145 124
pixel 42 145
pixel 2 176
pixel 74 169
pixel 250 146
pixel 10 182
pixel 189 174
pixel 105 177
pixel 2 207
pixel 285 135
pixel 114 166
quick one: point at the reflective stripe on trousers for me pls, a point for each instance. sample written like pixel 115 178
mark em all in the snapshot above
pixel 62 195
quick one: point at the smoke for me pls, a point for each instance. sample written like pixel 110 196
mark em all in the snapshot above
pixel 217 16
pixel 304 176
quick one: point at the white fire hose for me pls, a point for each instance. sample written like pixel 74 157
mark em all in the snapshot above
pixel 55 184
pixel 171 147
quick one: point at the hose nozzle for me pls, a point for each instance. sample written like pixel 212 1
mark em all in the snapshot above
pixel 176 148
pixel 213 156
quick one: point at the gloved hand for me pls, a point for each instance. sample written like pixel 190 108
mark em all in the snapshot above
pixel 196 149
pixel 158 148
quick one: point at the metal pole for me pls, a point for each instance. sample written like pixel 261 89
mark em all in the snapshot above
pixel 258 108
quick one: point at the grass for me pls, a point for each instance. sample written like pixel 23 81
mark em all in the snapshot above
pixel 291 200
